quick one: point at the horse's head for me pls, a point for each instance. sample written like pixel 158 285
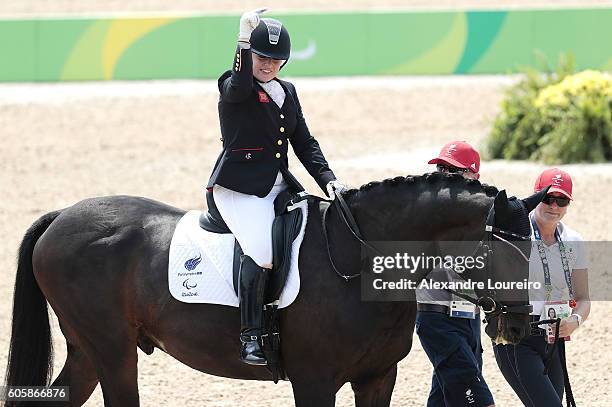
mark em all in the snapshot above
pixel 508 246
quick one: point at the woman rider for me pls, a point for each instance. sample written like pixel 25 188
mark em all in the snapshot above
pixel 259 115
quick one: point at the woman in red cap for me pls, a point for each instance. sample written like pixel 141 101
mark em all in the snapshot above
pixel 558 263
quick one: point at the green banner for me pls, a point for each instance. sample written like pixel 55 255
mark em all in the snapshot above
pixel 324 44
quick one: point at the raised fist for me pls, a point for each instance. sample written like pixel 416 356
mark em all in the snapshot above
pixel 248 22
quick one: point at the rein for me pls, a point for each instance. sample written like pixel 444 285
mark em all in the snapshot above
pixel 351 224
pixel 558 343
pixel 513 246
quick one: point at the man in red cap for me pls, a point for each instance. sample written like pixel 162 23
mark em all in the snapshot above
pixel 458 156
pixel 449 327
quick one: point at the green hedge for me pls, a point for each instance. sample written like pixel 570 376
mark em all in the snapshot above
pixel 556 118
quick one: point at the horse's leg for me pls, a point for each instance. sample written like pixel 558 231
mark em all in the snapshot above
pixel 119 377
pixel 114 353
pixel 375 391
pixel 79 374
pixel 313 391
pixel 106 339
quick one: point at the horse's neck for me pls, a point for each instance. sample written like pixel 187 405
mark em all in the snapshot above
pixel 440 218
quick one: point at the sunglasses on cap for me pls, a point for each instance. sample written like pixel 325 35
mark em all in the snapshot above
pixel 451 170
pixel 561 201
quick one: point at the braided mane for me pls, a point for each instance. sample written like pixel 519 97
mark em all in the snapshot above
pixel 457 180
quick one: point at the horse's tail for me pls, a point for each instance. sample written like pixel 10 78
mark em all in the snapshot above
pixel 30 360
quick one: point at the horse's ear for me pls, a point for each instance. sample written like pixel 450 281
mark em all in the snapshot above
pixel 501 203
pixel 532 201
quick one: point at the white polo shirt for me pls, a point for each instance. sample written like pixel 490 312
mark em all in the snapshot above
pixel 576 259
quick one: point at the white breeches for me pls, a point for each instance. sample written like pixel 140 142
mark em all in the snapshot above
pixel 250 219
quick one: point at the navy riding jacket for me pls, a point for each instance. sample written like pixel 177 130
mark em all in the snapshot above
pixel 256 134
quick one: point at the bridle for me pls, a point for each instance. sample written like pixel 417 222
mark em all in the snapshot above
pixel 487 302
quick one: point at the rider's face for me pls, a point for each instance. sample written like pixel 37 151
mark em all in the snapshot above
pixel 265 69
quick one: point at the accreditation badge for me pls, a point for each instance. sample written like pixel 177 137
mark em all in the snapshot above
pixel 554 310
pixel 462 309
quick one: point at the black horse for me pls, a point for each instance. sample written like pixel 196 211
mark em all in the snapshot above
pixel 102 266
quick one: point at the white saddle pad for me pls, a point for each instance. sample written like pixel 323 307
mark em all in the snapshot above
pixel 201 262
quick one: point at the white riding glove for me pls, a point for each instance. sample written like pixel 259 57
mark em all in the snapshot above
pixel 334 186
pixel 248 22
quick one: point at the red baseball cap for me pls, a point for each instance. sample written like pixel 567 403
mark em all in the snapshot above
pixel 458 154
pixel 560 181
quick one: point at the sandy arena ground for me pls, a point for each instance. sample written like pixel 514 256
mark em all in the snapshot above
pixel 63 143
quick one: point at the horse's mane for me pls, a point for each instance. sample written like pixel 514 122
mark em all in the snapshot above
pixel 434 179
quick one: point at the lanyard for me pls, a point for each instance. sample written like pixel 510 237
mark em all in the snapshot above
pixel 544 260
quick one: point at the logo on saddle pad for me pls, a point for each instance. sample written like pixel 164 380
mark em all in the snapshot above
pixel 192 263
pixel 189 285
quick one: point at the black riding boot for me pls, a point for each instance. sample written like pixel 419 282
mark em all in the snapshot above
pixel 251 293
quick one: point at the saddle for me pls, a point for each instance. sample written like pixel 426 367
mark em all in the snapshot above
pixel 285 228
